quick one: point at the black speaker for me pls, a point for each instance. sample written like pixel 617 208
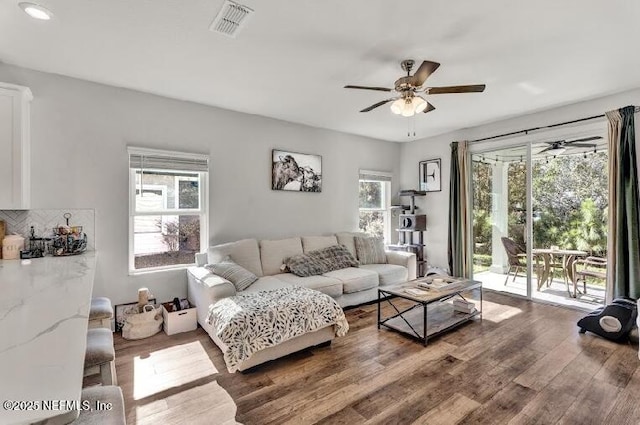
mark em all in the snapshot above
pixel 413 222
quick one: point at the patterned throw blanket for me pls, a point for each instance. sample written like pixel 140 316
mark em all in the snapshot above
pixel 247 323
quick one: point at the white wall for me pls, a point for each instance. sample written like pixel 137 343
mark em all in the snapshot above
pixel 436 204
pixel 80 131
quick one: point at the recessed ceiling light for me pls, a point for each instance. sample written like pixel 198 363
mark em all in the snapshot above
pixel 36 11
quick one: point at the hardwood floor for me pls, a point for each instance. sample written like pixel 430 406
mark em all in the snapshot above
pixel 524 363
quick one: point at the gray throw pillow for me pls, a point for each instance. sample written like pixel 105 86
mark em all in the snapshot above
pixel 370 250
pixel 335 257
pixel 234 273
pixel 305 265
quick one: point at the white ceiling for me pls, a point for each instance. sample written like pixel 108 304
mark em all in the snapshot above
pixel 293 57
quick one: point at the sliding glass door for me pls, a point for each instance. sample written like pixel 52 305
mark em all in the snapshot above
pixel 539 213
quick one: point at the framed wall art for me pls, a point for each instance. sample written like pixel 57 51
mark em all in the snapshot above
pixel 299 172
pixel 429 172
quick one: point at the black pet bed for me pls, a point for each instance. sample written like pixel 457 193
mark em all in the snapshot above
pixel 613 321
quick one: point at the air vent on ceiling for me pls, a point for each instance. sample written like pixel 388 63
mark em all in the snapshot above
pixel 231 18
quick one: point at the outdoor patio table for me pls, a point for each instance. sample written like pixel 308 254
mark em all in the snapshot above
pixel 569 256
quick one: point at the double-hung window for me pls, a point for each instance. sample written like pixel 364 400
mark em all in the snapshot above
pixel 375 203
pixel 167 208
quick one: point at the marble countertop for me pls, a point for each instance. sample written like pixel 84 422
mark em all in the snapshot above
pixel 44 311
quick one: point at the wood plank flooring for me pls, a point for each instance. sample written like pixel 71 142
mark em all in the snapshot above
pixel 525 363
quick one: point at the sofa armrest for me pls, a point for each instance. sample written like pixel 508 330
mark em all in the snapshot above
pixel 403 258
pixel 202 258
pixel 205 288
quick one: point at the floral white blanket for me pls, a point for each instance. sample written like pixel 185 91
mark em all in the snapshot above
pixel 247 323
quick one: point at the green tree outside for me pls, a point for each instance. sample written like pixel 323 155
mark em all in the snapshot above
pixel 570 201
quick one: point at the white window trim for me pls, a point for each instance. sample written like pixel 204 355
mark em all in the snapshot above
pixel 202 212
pixel 386 199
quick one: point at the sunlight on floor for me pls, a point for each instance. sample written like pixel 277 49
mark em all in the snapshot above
pixel 170 367
pixel 205 404
pixel 496 313
pixel 556 293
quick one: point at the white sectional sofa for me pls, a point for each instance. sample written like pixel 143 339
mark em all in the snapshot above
pixel 349 286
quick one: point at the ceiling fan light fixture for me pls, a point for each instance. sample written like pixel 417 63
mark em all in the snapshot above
pixel 419 104
pixel 36 11
pixel 408 109
pixel 397 106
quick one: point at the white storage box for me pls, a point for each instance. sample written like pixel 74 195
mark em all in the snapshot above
pixel 179 321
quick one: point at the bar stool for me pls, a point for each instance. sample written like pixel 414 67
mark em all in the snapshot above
pixel 101 313
pixel 100 352
pixel 102 395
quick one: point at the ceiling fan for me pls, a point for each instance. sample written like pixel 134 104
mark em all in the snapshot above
pixel 559 146
pixel 409 100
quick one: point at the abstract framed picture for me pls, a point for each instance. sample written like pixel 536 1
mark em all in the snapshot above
pixel 293 171
pixel 429 172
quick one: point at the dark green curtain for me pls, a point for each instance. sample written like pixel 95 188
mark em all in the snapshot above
pixel 455 244
pixel 626 278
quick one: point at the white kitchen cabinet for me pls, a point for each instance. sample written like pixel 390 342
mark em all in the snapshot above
pixel 15 153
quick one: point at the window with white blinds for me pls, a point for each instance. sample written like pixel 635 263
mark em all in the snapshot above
pixel 374 208
pixel 168 216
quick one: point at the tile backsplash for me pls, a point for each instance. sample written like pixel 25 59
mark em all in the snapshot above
pixel 44 221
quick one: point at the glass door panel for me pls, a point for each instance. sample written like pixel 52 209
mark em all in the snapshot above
pixel 569 203
pixel 499 187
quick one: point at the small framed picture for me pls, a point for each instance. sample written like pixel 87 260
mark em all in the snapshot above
pixel 429 172
pixel 122 311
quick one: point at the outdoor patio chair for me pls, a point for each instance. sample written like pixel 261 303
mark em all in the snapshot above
pixel 517 259
pixel 516 254
pixel 595 267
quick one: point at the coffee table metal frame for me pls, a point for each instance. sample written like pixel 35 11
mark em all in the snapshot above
pixel 436 297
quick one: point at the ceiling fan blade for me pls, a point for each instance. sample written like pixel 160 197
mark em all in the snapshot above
pixel 430 108
pixel 375 105
pixel 580 145
pixel 477 88
pixel 426 68
pixel 586 139
pixel 368 88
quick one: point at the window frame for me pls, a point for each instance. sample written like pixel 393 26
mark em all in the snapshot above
pixel 202 212
pixel 385 180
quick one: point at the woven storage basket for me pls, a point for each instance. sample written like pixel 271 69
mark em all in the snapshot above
pixel 144 324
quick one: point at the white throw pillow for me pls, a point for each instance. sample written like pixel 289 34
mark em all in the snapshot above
pixel 370 250
pixel 238 275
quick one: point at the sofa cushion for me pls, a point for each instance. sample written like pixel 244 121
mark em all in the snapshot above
pixel 234 273
pixel 346 239
pixel 244 252
pixel 312 243
pixel 267 283
pixel 370 250
pixel 355 279
pixel 324 284
pixel 273 253
pixel 389 274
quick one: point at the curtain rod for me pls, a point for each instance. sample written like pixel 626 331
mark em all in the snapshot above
pixel 526 131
